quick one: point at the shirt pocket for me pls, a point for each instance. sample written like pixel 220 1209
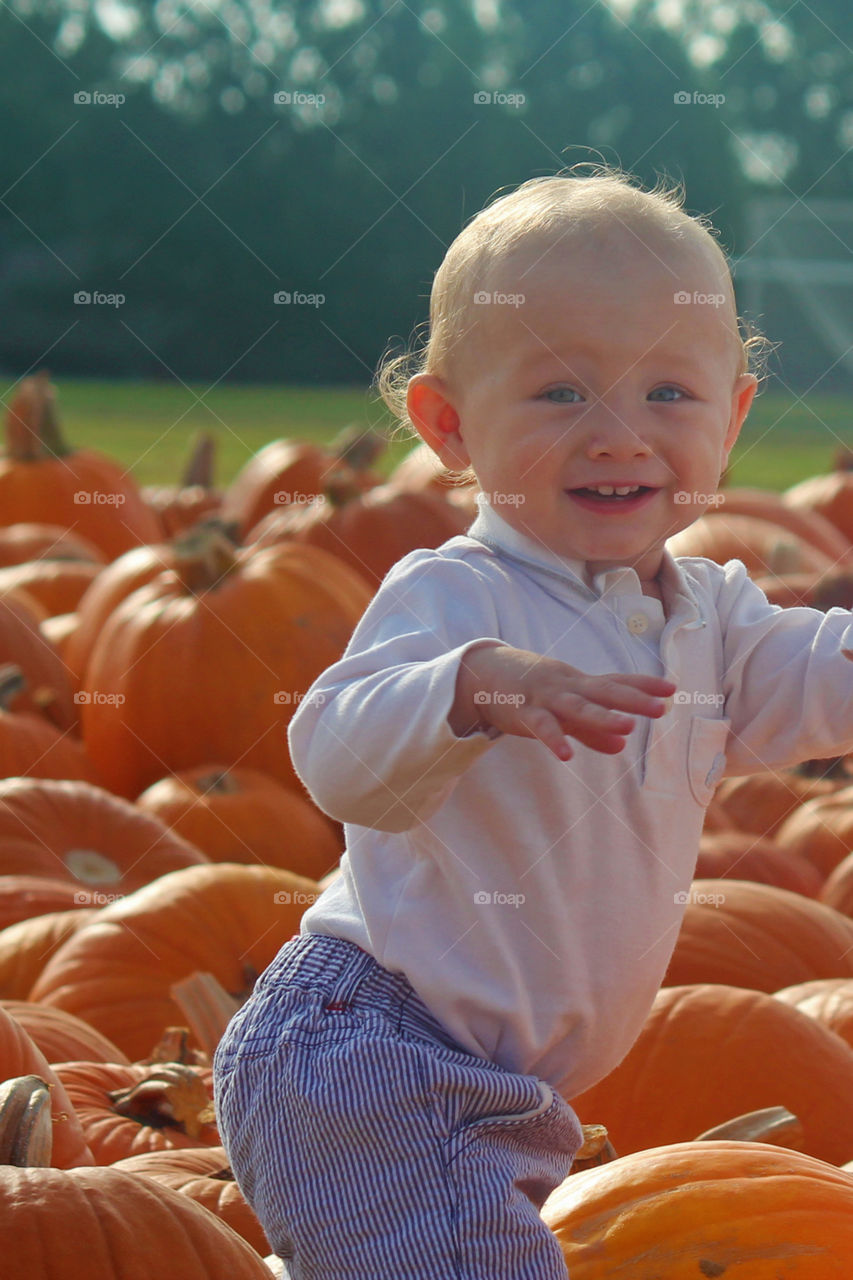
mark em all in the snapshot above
pixel 706 755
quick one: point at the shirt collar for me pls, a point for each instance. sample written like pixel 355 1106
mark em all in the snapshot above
pixel 492 530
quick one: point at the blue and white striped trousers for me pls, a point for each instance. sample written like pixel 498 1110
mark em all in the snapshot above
pixel 370 1144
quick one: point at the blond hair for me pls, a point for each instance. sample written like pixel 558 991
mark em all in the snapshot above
pixel 599 201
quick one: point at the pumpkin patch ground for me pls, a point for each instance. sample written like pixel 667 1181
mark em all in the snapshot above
pixel 157 848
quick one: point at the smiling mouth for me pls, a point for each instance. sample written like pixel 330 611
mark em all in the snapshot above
pixel 608 493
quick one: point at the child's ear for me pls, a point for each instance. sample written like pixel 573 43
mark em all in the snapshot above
pixel 743 394
pixel 430 408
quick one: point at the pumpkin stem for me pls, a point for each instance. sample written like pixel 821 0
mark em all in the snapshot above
pixel 597 1148
pixel 776 1125
pixel 204 557
pixel 174 1046
pixel 12 683
pixel 26 1137
pixel 172 1096
pixel 219 783
pixel 357 447
pixel 207 1007
pixel 199 468
pixel 32 424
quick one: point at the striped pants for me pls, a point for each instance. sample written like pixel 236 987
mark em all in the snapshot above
pixel 370 1144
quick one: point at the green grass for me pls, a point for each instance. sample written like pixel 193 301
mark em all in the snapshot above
pixel 149 426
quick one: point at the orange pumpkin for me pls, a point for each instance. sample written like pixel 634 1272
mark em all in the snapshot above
pixel 698 1209
pixel 242 815
pixel 48 689
pixel 74 831
pixel 763 547
pixel 830 495
pixel 755 935
pixel 821 830
pixel 41 478
pixel 125 1109
pixel 807 524
pixel 226 919
pixel 827 1000
pixel 60 1036
pixel 368 531
pixel 203 1174
pixel 179 507
pixel 57 585
pixel 31 746
pixel 19 1056
pixel 837 889
pixel 760 802
pixel 739 855
pixel 708 1052
pixel 28 541
pixel 106 1224
pixel 26 947
pixel 25 897
pixel 209 662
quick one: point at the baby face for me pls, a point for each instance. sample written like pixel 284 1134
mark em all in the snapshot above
pixel 617 372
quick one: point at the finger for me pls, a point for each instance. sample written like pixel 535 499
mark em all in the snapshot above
pixel 552 731
pixel 626 694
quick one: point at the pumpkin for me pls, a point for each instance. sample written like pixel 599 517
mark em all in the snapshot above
pixel 764 504
pixel 106 1224
pixel 28 541
pixel 29 744
pixel 74 831
pixel 203 1174
pixel 690 1210
pixel 48 690
pixel 759 936
pixel 117 973
pixel 368 531
pixel 837 889
pixel 26 897
pixel 60 1036
pixel 179 507
pixel 209 662
pixel 19 1056
pixel 242 815
pixel 821 830
pixel 707 1052
pixel 742 856
pixel 763 547
pixel 421 469
pixel 827 1000
pixel 125 1109
pixel 57 585
pixel 288 472
pixel 760 802
pixel 26 947
pixel 830 495
pixel 42 478
pixel 830 590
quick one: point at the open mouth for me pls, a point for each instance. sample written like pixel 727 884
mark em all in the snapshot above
pixel 612 495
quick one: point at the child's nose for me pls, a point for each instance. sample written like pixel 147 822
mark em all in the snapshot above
pixel 612 435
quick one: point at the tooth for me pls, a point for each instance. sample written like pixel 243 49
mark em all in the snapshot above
pixel 606 490
pixel 627 488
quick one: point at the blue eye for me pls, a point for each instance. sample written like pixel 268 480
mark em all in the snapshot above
pixel 667 394
pixel 563 395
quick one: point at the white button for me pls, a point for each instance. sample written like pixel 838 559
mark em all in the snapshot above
pixel 638 623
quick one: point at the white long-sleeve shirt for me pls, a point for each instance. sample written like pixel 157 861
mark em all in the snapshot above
pixel 533 903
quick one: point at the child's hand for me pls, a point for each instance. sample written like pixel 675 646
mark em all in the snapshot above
pixel 534 697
